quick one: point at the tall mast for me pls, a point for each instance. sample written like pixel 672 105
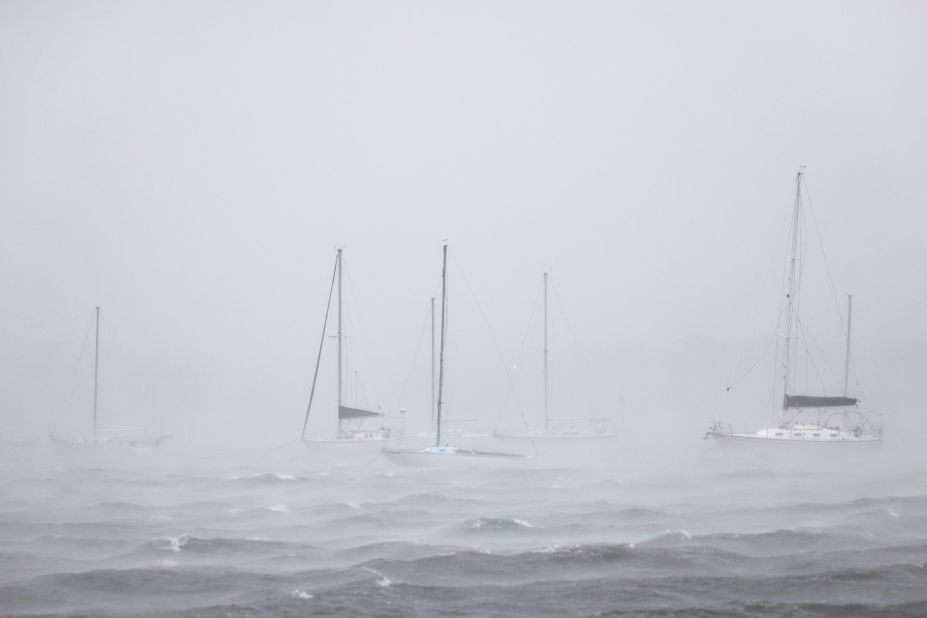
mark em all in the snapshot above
pixel 96 371
pixel 340 340
pixel 791 302
pixel 846 370
pixel 318 358
pixel 443 339
pixel 432 403
pixel 546 372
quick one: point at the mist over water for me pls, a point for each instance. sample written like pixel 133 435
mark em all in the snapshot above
pixel 191 167
pixel 262 532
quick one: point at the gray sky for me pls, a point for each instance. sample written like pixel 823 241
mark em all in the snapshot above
pixel 191 166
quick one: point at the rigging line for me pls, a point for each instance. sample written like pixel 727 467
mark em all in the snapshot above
pixel 802 252
pixel 776 366
pixel 781 354
pixel 363 392
pixel 418 347
pixel 318 359
pixel 508 376
pixel 70 388
pixel 830 279
pixel 774 337
pixel 531 322
pixel 587 373
pixel 524 344
pixel 377 456
pixel 353 317
pixel 820 351
pixel 856 379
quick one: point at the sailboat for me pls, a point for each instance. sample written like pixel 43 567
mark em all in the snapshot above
pixel 124 436
pixel 356 425
pixel 441 452
pixel 560 428
pixel 806 419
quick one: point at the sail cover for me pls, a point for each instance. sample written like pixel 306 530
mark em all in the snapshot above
pixel 344 412
pixel 813 401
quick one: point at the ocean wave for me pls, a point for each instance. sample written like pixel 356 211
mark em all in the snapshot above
pixel 495 524
pixel 117 505
pixel 382 580
pixel 586 580
pixel 669 538
pixel 435 501
pixel 411 600
pixel 269 478
pixel 784 541
pixel 393 550
pixel 79 542
pixel 555 561
pixel 223 547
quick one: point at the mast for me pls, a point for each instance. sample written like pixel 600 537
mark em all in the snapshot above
pixel 846 370
pixel 546 372
pixel 318 358
pixel 340 340
pixel 443 340
pixel 96 371
pixel 791 302
pixel 432 403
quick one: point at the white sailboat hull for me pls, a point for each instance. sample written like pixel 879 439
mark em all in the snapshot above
pixel 118 439
pixel 768 442
pixel 749 448
pixel 807 434
pixel 445 456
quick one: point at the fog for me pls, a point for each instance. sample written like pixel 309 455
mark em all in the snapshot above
pixel 191 169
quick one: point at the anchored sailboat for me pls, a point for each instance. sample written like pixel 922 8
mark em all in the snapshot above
pixel 806 419
pixel 356 425
pixel 127 436
pixel 561 428
pixel 441 452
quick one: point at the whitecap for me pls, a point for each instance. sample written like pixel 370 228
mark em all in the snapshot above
pixel 383 580
pixel 301 594
pixel 175 544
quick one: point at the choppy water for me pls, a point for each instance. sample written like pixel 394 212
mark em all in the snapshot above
pixel 255 535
